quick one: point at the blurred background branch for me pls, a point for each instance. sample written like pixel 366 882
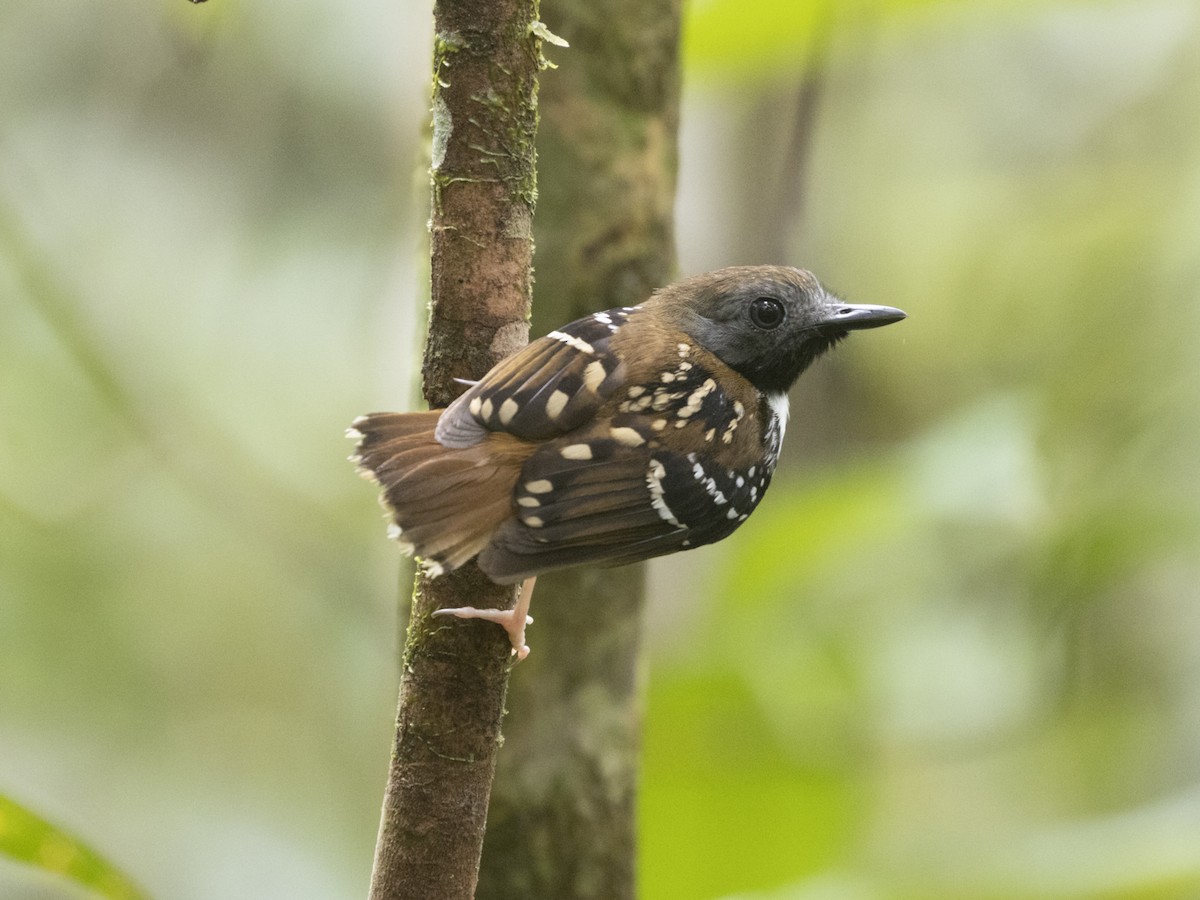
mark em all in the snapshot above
pixel 562 821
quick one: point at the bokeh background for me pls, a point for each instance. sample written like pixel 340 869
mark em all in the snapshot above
pixel 955 654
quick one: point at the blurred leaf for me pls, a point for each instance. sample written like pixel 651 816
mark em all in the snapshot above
pixel 741 813
pixel 804 531
pixel 749 38
pixel 773 37
pixel 28 838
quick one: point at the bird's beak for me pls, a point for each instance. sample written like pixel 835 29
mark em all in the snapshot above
pixel 851 316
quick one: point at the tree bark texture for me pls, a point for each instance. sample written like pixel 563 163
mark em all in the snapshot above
pixel 486 58
pixel 563 806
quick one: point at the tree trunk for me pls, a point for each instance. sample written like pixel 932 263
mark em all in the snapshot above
pixel 563 812
pixel 486 58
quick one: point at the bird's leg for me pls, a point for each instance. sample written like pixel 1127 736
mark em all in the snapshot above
pixel 511 620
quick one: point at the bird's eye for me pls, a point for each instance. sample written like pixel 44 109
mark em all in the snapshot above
pixel 766 312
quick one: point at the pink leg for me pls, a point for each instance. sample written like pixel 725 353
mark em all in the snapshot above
pixel 511 620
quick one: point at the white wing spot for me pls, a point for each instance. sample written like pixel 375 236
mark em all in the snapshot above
pixel 628 436
pixel 475 406
pixel 541 486
pixel 529 502
pixel 593 376
pixel 533 521
pixel 576 451
pixel 508 409
pixel 485 411
pixel 654 476
pixel 571 341
pixel 555 404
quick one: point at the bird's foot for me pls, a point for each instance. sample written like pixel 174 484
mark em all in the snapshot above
pixel 508 619
pixel 511 620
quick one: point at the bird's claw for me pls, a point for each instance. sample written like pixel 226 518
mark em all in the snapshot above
pixel 508 619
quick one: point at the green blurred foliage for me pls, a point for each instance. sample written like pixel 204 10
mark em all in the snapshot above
pixel 970 605
pixel 30 839
pixel 952 656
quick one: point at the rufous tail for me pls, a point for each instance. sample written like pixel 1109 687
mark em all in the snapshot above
pixel 445 504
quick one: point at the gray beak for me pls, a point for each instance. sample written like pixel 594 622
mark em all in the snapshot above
pixel 852 316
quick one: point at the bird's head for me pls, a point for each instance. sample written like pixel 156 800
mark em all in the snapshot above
pixel 768 323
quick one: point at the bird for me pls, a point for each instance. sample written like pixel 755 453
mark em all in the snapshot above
pixel 627 434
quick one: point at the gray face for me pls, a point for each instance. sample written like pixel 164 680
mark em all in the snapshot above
pixel 769 323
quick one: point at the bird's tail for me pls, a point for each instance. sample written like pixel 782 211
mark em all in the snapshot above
pixel 445 503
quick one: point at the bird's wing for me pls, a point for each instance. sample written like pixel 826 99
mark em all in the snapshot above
pixel 601 501
pixel 551 387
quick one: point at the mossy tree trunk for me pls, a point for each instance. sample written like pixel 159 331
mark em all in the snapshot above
pixel 562 822
pixel 487 56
